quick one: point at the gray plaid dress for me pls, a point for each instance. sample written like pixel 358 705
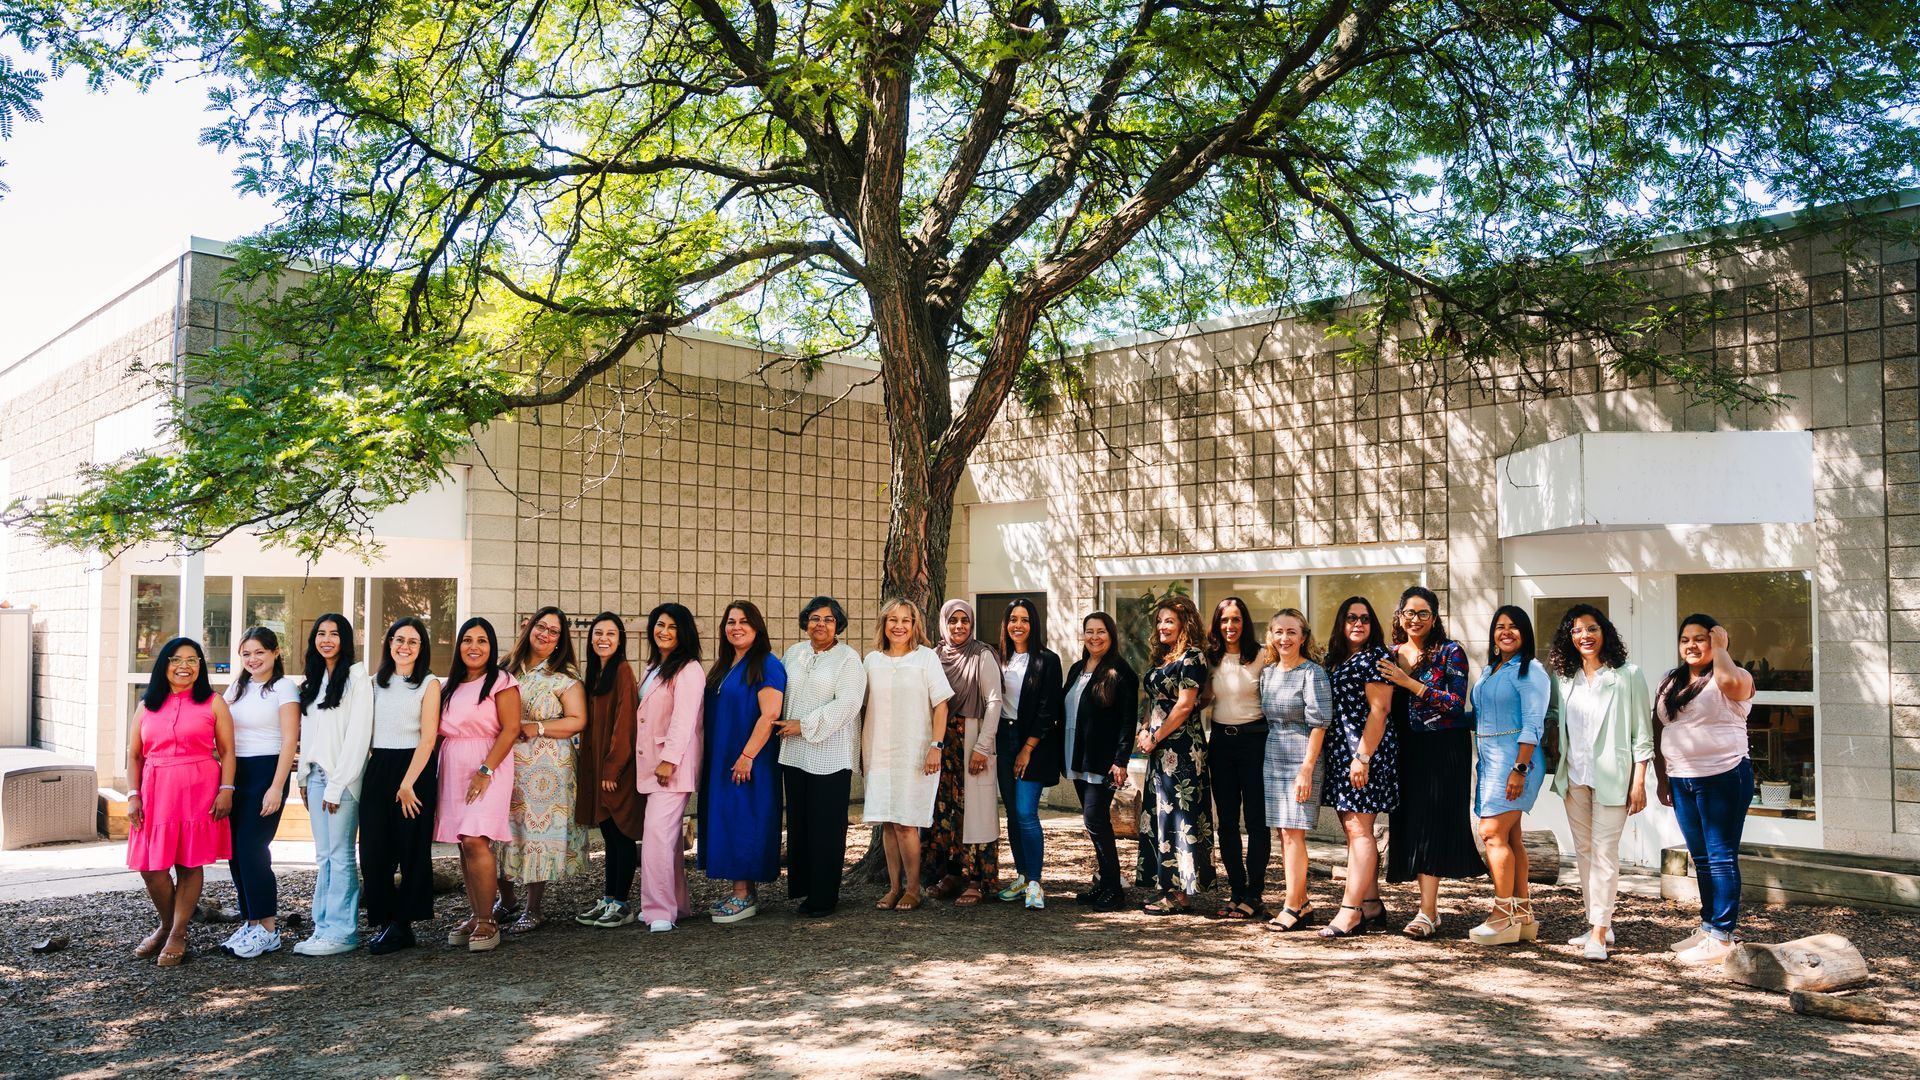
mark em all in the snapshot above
pixel 1294 703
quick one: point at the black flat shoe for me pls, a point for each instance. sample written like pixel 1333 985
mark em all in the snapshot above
pixel 395 937
pixel 808 912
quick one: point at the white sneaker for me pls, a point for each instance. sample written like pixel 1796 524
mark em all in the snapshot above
pixel 233 940
pixel 1594 950
pixel 1581 939
pixel 317 946
pixel 659 926
pixel 262 940
pixel 1036 898
pixel 591 916
pixel 1688 942
pixel 1710 950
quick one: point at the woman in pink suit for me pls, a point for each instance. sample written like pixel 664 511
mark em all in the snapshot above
pixel 180 754
pixel 667 759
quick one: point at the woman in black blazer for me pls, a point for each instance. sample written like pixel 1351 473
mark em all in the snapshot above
pixel 1028 743
pixel 1101 707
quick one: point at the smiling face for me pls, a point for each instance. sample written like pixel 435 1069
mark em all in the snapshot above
pixel 1232 625
pixel 326 640
pixel 1019 627
pixel 1587 637
pixel 1356 624
pixel 1287 635
pixel 604 638
pixel 738 630
pixel 476 647
pixel 183 668
pixel 1416 618
pixel 1094 635
pixel 822 628
pixel 1506 636
pixel 666 634
pixel 959 626
pixel 899 626
pixel 544 636
pixel 1696 646
pixel 404 647
pixel 257 660
pixel 1166 625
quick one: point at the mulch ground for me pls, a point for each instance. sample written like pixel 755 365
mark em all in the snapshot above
pixel 943 991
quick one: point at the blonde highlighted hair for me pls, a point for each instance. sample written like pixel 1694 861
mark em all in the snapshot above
pixel 1309 647
pixel 919 622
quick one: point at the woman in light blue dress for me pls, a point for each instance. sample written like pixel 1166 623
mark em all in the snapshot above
pixel 1511 703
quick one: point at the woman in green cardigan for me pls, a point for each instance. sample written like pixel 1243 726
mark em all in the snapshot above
pixel 1605 728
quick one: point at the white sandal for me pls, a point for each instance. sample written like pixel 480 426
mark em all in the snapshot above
pixel 1421 928
pixel 1503 926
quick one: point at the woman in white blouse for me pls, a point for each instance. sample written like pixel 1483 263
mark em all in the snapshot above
pixel 1237 755
pixel 906 716
pixel 336 730
pixel 266 736
pixel 401 788
pixel 820 734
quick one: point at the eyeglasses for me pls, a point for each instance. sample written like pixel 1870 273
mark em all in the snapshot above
pixel 826 619
pixel 1416 615
pixel 183 661
pixel 545 630
pixel 1358 620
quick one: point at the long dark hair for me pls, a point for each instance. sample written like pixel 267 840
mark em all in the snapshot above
pixel 1681 685
pixel 1563 659
pixel 561 661
pixel 1436 637
pixel 757 652
pixel 600 678
pixel 159 689
pixel 686 646
pixel 1216 648
pixel 316 665
pixel 269 641
pixel 1191 636
pixel 457 671
pixel 420 668
pixel 1338 647
pixel 1036 636
pixel 1520 623
pixel 1101 688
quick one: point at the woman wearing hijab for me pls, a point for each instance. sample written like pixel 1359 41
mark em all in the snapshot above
pixel 961 851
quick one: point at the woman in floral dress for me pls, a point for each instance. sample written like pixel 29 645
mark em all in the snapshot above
pixel 1176 834
pixel 547 844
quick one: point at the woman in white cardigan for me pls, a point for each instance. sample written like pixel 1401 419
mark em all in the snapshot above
pixel 336 731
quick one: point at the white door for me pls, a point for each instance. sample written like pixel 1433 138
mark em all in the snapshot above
pixel 1546 599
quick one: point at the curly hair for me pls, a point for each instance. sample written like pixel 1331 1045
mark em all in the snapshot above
pixel 1563 659
pixel 1191 634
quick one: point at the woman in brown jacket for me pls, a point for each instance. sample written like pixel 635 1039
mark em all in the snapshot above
pixel 608 797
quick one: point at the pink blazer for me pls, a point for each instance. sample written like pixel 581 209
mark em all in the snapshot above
pixel 669 730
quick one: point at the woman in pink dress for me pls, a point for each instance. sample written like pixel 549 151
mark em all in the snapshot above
pixel 476 772
pixel 180 754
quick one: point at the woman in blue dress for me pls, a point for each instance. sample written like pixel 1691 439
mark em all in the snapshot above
pixel 740 790
pixel 1511 704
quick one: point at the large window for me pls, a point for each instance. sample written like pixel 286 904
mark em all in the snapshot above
pixel 289 606
pixel 1769 621
pixel 155 620
pixel 434 601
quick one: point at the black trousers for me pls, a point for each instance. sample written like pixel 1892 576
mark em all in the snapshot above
pixel 817 834
pixel 623 859
pixel 1096 812
pixel 1237 759
pixel 390 841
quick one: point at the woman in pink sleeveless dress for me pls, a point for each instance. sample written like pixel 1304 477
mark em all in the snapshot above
pixel 180 755
pixel 476 772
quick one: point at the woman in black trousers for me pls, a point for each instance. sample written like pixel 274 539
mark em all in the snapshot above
pixel 401 788
pixel 1101 709
pixel 1237 755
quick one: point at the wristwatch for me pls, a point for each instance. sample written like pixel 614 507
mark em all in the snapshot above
pixel 541 727
pixel 485 769
pixel 938 744
pixel 1523 767
pixel 1362 758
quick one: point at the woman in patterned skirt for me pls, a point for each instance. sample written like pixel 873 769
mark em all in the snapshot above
pixel 960 853
pixel 1176 835
pixel 547 845
pixel 1362 779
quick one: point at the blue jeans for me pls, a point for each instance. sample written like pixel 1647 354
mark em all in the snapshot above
pixel 252 862
pixel 336 882
pixel 1713 811
pixel 1022 799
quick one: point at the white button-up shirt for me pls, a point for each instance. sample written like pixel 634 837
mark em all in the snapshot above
pixel 825 691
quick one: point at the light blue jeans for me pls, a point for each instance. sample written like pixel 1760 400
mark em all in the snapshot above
pixel 336 883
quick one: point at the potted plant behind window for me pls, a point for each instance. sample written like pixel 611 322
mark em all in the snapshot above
pixel 1775 791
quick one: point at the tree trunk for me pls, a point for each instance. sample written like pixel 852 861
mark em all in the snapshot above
pixel 1821 962
pixel 1856 1010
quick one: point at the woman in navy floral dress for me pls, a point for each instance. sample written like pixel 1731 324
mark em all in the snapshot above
pixel 1362 748
pixel 1176 835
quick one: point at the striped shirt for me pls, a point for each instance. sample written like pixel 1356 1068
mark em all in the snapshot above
pixel 825 691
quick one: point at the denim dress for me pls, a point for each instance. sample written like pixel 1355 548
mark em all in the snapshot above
pixel 1509 709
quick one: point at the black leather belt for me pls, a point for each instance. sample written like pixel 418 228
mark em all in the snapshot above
pixel 1255 727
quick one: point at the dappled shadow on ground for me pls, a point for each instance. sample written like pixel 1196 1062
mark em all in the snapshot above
pixel 994 990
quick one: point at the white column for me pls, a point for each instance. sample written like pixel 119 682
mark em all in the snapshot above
pixel 193 596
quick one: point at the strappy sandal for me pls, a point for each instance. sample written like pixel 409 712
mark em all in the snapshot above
pixel 970 897
pixel 889 901
pixel 947 887
pixel 1330 932
pixel 151 944
pixel 486 936
pixel 1289 919
pixel 909 902
pixel 1165 906
pixel 1529 926
pixel 1235 910
pixel 172 955
pixel 1373 922
pixel 1420 928
pixel 462 931
pixel 527 923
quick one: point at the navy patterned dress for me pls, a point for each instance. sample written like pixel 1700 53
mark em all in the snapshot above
pixel 1349 682
pixel 1176 824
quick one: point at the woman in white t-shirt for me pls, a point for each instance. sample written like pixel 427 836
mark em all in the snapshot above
pixel 266 735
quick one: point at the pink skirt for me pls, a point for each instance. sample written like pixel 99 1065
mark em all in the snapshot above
pixel 177 799
pixel 486 816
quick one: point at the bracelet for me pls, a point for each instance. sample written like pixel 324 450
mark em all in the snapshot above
pixel 226 787
pixel 541 727
pixel 134 794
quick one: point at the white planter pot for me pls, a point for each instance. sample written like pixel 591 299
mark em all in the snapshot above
pixel 1774 794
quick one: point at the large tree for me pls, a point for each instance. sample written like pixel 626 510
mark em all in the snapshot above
pixel 494 202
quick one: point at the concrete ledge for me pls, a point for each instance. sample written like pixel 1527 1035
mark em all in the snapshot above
pixel 1775 874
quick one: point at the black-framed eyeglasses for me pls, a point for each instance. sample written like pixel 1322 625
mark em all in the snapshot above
pixel 1358 620
pixel 1416 615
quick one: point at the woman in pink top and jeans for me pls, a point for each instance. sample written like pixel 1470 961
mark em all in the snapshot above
pixel 1704 773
